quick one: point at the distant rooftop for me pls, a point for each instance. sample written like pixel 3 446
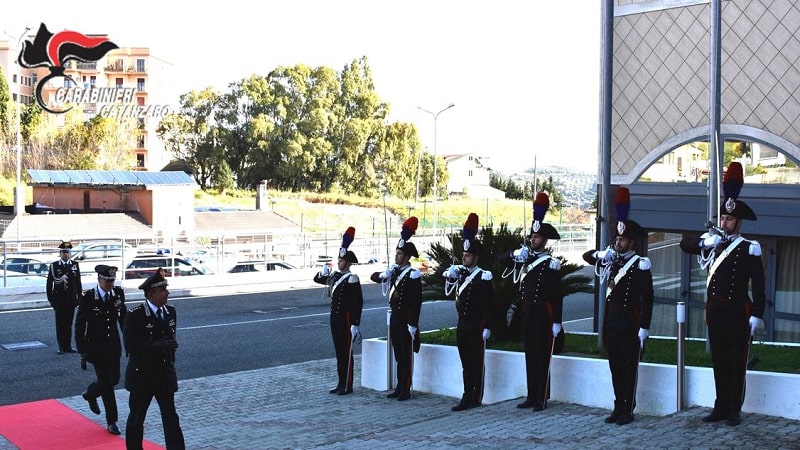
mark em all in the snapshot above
pixel 109 177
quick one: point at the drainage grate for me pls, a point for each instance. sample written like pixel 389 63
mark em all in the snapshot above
pixel 24 345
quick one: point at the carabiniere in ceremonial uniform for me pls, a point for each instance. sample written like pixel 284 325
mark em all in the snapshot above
pixel 474 298
pixel 540 301
pixel 347 301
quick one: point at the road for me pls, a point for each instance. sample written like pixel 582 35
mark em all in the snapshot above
pixel 217 335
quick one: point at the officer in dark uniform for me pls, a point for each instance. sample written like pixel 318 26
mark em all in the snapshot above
pixel 733 263
pixel 101 313
pixel 63 289
pixel 149 335
pixel 347 300
pixel 629 307
pixel 474 297
pixel 403 285
pixel 540 301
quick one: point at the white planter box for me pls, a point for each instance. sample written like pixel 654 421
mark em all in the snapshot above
pixel 582 381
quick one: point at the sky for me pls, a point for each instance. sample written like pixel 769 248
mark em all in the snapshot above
pixel 524 76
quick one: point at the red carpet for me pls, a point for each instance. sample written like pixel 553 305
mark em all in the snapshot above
pixel 48 424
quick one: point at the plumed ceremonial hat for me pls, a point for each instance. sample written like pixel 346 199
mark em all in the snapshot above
pixel 106 272
pixel 408 230
pixel 155 280
pixel 540 206
pixel 625 227
pixel 732 184
pixel 347 239
pixel 468 233
pixel 65 245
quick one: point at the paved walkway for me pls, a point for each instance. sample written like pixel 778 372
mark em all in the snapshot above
pixel 289 407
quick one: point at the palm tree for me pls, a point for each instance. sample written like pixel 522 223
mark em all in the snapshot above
pixel 496 242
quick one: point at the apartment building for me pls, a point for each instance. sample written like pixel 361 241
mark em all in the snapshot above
pixel 135 71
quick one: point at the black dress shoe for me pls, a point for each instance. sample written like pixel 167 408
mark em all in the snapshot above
pixel 335 390
pixel 625 418
pixel 538 407
pixel 92 402
pixel 403 397
pixel 734 420
pixel 394 394
pixel 462 406
pixel 60 351
pixel 714 417
pixel 70 350
pixel 113 429
pixel 613 417
pixel 525 404
pixel 345 391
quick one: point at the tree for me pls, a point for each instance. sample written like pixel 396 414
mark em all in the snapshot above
pixel 191 134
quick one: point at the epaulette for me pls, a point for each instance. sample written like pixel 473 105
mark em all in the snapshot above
pixel 644 263
pixel 486 275
pixel 555 263
pixel 755 248
pixel 137 307
pixel 353 278
pixel 414 274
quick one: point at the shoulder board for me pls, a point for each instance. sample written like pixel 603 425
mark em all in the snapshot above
pixel 353 278
pixel 486 275
pixel 644 263
pixel 137 308
pixel 555 263
pixel 414 274
pixel 755 248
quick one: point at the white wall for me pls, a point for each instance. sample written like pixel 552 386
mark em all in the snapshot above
pixel 582 381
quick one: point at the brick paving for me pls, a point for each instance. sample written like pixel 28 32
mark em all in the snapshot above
pixel 289 407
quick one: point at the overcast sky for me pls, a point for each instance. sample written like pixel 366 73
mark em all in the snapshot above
pixel 524 76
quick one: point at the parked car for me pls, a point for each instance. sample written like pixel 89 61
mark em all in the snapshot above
pixel 261 266
pixel 92 253
pixel 146 265
pixel 26 265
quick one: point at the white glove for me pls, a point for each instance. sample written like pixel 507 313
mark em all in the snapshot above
pixel 556 329
pixel 605 255
pixel 486 333
pixel 711 240
pixel 522 253
pixel 387 274
pixel 326 270
pixel 412 330
pixel 755 323
pixel 354 330
pixel 452 272
pixel 643 333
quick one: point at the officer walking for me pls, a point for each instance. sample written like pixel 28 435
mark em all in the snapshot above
pixel 540 301
pixel 149 335
pixel 733 263
pixel 347 300
pixel 474 297
pixel 63 288
pixel 403 285
pixel 629 307
pixel 101 314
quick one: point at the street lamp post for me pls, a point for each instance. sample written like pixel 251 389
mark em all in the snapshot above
pixel 435 138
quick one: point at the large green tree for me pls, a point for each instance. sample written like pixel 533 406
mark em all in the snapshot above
pixel 301 128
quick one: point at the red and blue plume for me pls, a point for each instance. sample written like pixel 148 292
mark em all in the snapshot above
pixel 348 236
pixel 540 205
pixel 733 180
pixel 470 227
pixel 622 204
pixel 409 228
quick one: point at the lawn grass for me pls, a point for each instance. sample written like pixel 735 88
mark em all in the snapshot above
pixel 771 358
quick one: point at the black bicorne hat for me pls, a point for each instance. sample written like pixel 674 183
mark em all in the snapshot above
pixel 732 184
